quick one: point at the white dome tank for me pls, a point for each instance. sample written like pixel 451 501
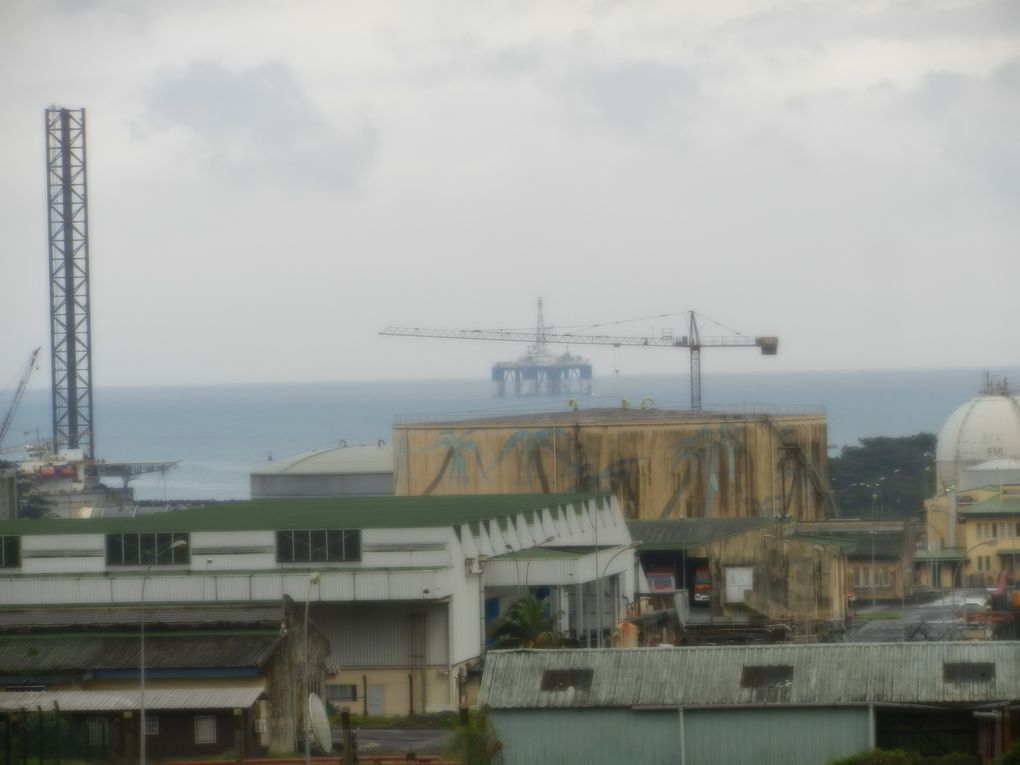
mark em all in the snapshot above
pixel 983 429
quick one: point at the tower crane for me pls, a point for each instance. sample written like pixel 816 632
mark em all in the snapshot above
pixel 693 341
pixel 22 383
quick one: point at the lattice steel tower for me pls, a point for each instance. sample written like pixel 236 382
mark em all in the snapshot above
pixel 70 323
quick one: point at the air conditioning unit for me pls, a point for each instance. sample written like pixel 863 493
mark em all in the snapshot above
pixel 262 726
pixel 474 566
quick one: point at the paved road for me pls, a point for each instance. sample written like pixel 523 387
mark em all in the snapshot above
pixel 936 620
pixel 399 740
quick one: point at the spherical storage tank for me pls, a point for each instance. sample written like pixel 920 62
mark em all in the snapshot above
pixel 984 429
pixel 335 472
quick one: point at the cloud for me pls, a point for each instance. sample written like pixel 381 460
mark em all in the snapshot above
pixel 257 124
pixel 632 96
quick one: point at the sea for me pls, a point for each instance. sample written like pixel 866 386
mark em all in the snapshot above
pixel 220 433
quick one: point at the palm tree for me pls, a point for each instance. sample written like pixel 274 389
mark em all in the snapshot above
pixel 456 445
pixel 527 624
pixel 530 444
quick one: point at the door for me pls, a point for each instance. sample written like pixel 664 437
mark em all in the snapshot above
pixel 739 579
pixel 376 699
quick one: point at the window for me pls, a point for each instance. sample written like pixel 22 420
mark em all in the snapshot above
pixel 317 546
pixel 968 672
pixel 205 729
pixel 766 677
pixel 97 730
pixel 562 679
pixel 141 549
pixel 337 693
pixel 10 552
pixel 151 725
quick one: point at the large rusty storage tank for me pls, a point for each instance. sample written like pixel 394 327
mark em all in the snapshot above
pixel 659 463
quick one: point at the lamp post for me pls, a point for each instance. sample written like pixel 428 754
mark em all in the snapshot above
pixel 517 565
pixel 598 583
pixel 527 566
pixel 313 578
pixel 177 545
pixel 874 573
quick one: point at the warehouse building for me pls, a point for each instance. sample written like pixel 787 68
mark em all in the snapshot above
pixel 659 463
pixel 795 704
pixel 398 591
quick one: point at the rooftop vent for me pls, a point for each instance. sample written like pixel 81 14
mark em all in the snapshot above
pixel 766 677
pixel 562 679
pixel 968 671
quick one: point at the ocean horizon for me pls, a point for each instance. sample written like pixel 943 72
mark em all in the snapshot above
pixel 220 433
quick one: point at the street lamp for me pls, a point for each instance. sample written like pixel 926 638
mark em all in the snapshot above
pixel 517 565
pixel 176 545
pixel 527 566
pixel 598 583
pixel 313 578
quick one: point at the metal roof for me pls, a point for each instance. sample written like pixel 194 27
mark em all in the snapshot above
pixel 156 699
pixel 311 513
pixel 819 674
pixel 336 460
pixel 997 505
pixel 179 616
pixel 623 416
pixel 686 533
pixel 87 652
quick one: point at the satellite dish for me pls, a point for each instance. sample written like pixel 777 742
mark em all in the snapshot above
pixel 318 721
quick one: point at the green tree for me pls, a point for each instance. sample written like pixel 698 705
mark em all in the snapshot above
pixel 885 476
pixel 528 624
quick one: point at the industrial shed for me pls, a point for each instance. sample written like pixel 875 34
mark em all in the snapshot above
pixel 760 568
pixel 795 704
pixel 659 463
pixel 339 471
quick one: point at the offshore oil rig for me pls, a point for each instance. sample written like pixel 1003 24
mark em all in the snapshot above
pixel 64 469
pixel 542 373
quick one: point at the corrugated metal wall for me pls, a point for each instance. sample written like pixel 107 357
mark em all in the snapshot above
pixel 791 736
pixel 384 634
pixel 590 737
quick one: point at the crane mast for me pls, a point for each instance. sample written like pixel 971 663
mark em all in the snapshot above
pixel 693 341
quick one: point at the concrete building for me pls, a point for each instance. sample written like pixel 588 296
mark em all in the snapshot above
pixel 758 569
pixel 659 463
pixel 795 704
pixel 340 471
pixel 401 589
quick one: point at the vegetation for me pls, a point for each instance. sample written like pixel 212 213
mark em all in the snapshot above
pixel 528 624
pixel 884 477
pixel 900 757
pixel 474 742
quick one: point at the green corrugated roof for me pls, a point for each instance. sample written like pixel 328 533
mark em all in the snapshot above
pixel 687 533
pixel 949 554
pixel 993 506
pixel 309 513
pixel 822 539
pixel 538 553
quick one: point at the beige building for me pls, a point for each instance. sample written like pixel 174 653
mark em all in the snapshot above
pixel 973 523
pixel 659 463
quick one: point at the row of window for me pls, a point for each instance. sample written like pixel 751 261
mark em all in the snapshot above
pixel 768 676
pixel 173 548
pixel 994 530
pixel 99 731
pixel 883 576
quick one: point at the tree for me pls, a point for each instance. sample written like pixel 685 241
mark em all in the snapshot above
pixel 527 624
pixel 884 476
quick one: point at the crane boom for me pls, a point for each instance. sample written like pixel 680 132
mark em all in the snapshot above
pixel 768 344
pixel 22 383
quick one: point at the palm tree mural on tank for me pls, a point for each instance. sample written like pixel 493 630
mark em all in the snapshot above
pixel 530 446
pixel 705 468
pixel 457 445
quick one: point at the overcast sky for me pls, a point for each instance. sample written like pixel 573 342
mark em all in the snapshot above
pixel 272 183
